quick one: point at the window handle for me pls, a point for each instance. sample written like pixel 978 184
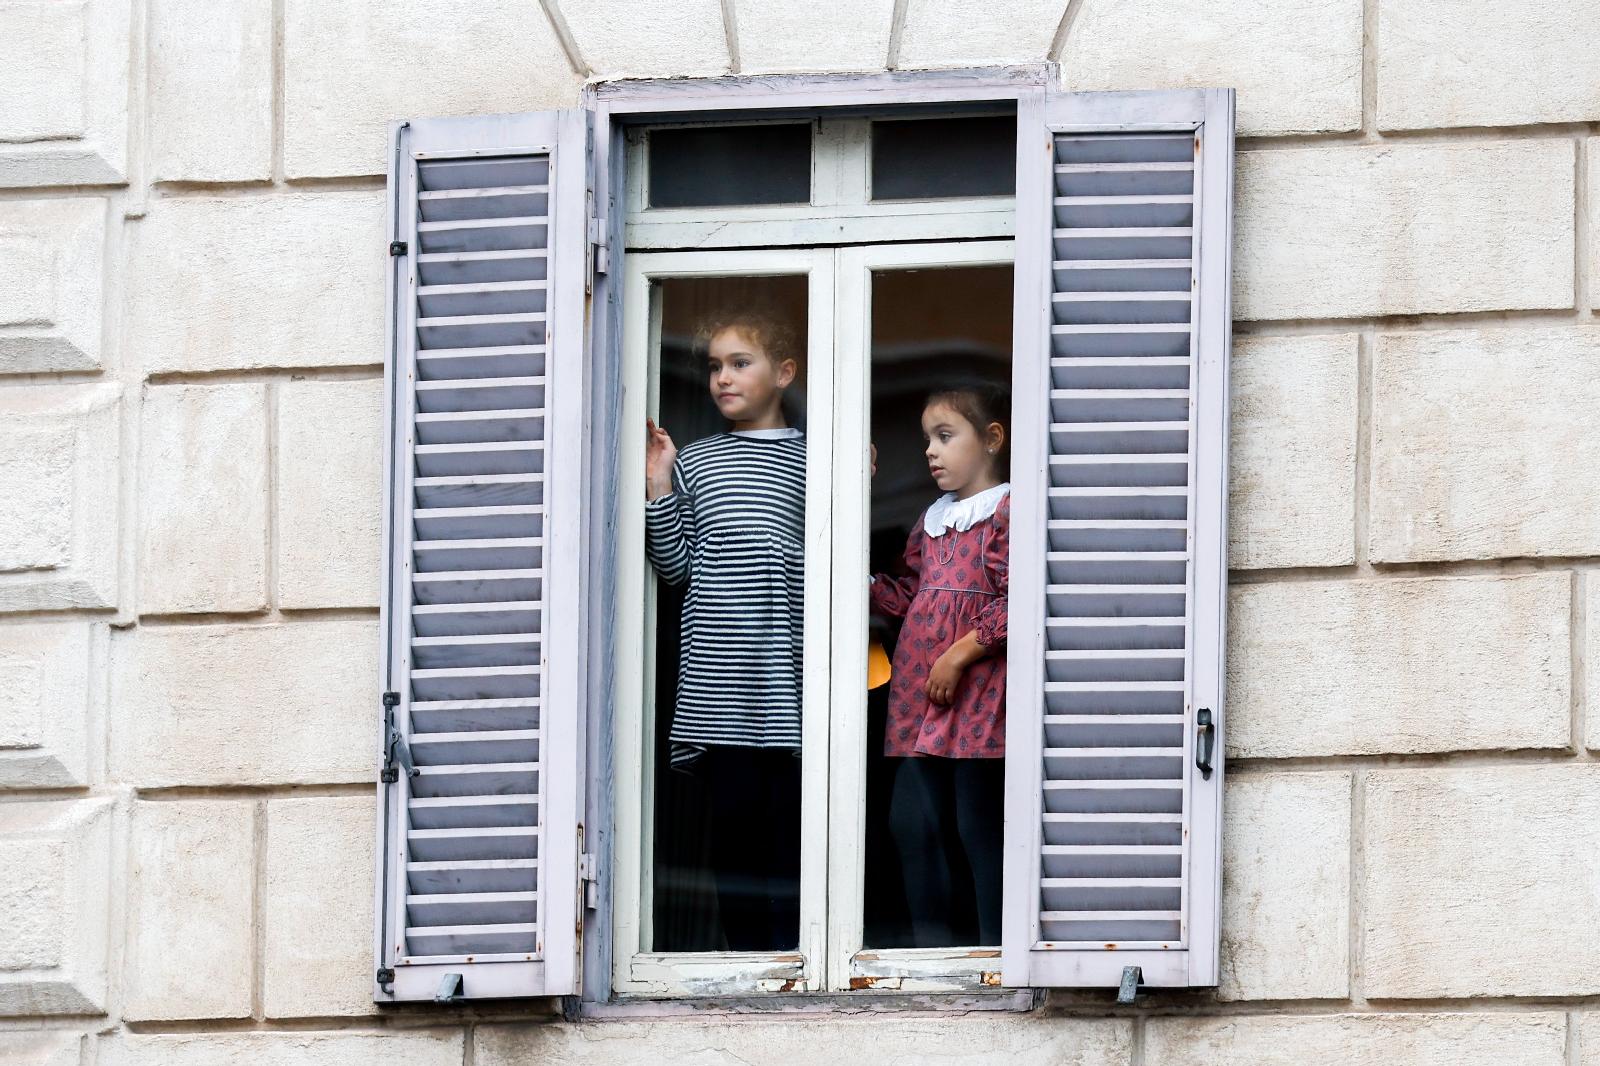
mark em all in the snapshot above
pixel 1205 741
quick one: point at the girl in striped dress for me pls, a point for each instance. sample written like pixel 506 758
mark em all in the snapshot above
pixel 726 518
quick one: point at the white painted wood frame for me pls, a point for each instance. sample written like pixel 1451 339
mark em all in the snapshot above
pixel 618 107
pixel 636 969
pixel 850 965
pixel 841 209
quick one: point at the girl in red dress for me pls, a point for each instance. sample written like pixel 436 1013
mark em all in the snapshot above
pixel 946 726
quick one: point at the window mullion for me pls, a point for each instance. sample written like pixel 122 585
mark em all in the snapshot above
pixel 822 427
pixel 851 516
pixel 841 155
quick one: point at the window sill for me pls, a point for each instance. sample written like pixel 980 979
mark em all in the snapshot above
pixel 866 1001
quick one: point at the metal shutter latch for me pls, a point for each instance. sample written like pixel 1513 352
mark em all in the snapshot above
pixel 1205 741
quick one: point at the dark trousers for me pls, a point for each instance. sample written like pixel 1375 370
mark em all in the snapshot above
pixel 947 818
pixel 754 800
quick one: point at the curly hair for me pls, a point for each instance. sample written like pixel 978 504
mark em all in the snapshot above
pixel 776 337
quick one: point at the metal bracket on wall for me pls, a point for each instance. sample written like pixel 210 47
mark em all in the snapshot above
pixel 449 989
pixel 1132 977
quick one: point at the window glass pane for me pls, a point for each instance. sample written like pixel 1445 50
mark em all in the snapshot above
pixel 714 166
pixel 919 159
pixel 935 761
pixel 727 546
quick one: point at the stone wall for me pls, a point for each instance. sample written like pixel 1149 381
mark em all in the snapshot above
pixel 190 360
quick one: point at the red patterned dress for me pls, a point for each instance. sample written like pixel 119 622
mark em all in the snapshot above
pixel 956 585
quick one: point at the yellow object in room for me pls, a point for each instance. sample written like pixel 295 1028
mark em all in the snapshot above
pixel 877 666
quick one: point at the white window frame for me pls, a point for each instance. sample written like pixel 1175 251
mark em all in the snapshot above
pixel 841 210
pixel 637 970
pixel 841 213
pixel 620 106
pixel 853 965
pixel 833 787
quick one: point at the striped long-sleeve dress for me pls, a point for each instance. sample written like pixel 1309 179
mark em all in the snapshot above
pixel 733 531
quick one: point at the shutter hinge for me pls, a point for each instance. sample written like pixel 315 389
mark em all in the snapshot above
pixel 589 875
pixel 597 243
pixel 385 978
pixel 396 752
pixel 398 248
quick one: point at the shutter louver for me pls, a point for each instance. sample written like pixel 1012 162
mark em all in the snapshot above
pixel 1117 873
pixel 481 865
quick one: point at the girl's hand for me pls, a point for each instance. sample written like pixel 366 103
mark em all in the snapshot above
pixel 945 677
pixel 659 455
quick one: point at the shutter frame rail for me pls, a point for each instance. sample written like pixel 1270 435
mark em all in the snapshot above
pixel 478 884
pixel 1112 852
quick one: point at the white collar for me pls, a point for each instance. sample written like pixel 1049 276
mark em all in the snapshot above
pixel 780 433
pixel 947 512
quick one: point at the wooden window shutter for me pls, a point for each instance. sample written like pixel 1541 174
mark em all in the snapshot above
pixel 1119 542
pixel 478 888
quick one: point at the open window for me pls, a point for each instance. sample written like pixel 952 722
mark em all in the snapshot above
pixel 904 235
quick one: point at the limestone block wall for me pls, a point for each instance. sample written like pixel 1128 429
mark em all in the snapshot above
pixel 190 359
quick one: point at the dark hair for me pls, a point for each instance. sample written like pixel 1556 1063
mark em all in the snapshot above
pixel 980 403
pixel 776 337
